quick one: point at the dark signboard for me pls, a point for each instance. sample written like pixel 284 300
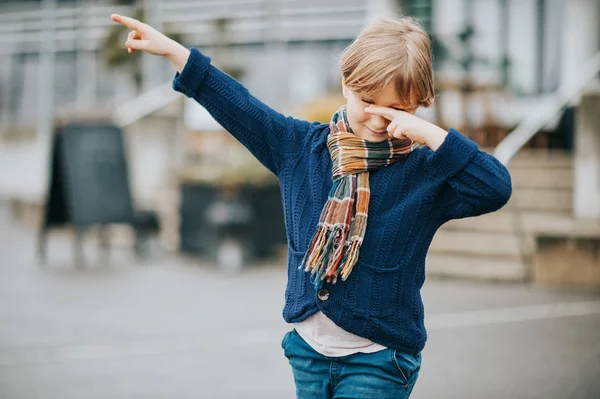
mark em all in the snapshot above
pixel 89 183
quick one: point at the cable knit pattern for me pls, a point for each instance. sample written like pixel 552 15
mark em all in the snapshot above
pixel 409 201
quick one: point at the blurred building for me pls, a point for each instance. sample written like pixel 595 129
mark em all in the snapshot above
pixel 496 62
pixel 529 47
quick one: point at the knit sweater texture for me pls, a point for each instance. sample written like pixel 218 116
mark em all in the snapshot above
pixel 410 200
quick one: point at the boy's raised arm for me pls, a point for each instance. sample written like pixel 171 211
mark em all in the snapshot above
pixel 269 135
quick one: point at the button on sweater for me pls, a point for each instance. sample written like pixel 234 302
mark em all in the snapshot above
pixel 409 201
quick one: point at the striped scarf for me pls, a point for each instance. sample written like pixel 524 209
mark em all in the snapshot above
pixel 341 229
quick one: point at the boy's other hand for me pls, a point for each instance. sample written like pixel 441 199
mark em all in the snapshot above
pixel 406 125
pixel 143 37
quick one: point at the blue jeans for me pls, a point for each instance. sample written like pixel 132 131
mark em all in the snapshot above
pixel 380 375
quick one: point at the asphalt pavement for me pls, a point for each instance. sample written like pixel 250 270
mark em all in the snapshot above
pixel 178 327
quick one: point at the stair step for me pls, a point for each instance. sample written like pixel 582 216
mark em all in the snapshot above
pixel 539 177
pixel 492 244
pixel 499 222
pixel 476 267
pixel 542 199
pixel 506 221
pixel 541 158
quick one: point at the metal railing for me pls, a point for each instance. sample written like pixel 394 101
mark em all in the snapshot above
pixel 549 108
pixel 143 105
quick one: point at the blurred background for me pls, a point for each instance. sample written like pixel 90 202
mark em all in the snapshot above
pixel 143 250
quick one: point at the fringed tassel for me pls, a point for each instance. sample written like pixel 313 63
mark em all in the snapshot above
pixel 350 259
pixel 316 258
pixel 325 255
pixel 339 249
pixel 316 247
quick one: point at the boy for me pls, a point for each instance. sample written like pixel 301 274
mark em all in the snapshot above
pixel 362 196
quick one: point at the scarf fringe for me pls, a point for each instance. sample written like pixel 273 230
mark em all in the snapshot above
pixel 325 255
pixel 350 259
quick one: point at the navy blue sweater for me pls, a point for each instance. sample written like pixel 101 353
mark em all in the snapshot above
pixel 409 201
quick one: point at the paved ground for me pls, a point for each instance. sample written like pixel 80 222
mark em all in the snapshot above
pixel 178 328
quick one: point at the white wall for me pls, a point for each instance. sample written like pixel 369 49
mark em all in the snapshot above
pixel 580 35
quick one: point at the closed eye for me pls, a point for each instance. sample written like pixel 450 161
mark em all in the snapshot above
pixel 364 100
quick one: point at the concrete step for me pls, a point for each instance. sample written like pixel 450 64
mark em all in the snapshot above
pixel 475 267
pixel 553 159
pixel 507 221
pixel 543 199
pixel 490 244
pixel 542 177
pixel 496 222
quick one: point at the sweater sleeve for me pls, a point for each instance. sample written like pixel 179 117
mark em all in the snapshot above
pixel 267 134
pixel 475 181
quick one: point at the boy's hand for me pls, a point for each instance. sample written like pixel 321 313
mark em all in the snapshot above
pixel 403 124
pixel 143 37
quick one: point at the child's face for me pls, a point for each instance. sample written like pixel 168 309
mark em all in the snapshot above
pixel 369 126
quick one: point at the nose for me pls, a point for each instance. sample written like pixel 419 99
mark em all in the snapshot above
pixel 379 123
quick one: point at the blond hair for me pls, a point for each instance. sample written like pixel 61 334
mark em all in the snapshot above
pixel 391 50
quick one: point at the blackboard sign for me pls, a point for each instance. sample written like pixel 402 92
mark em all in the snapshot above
pixel 89 182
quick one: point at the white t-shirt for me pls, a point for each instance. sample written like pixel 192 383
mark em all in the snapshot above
pixel 327 338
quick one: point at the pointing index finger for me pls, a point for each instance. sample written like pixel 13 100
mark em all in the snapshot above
pixel 127 21
pixel 387 113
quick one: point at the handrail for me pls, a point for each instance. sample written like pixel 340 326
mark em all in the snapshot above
pixel 517 138
pixel 144 104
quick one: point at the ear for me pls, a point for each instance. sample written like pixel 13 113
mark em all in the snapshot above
pixel 344 91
